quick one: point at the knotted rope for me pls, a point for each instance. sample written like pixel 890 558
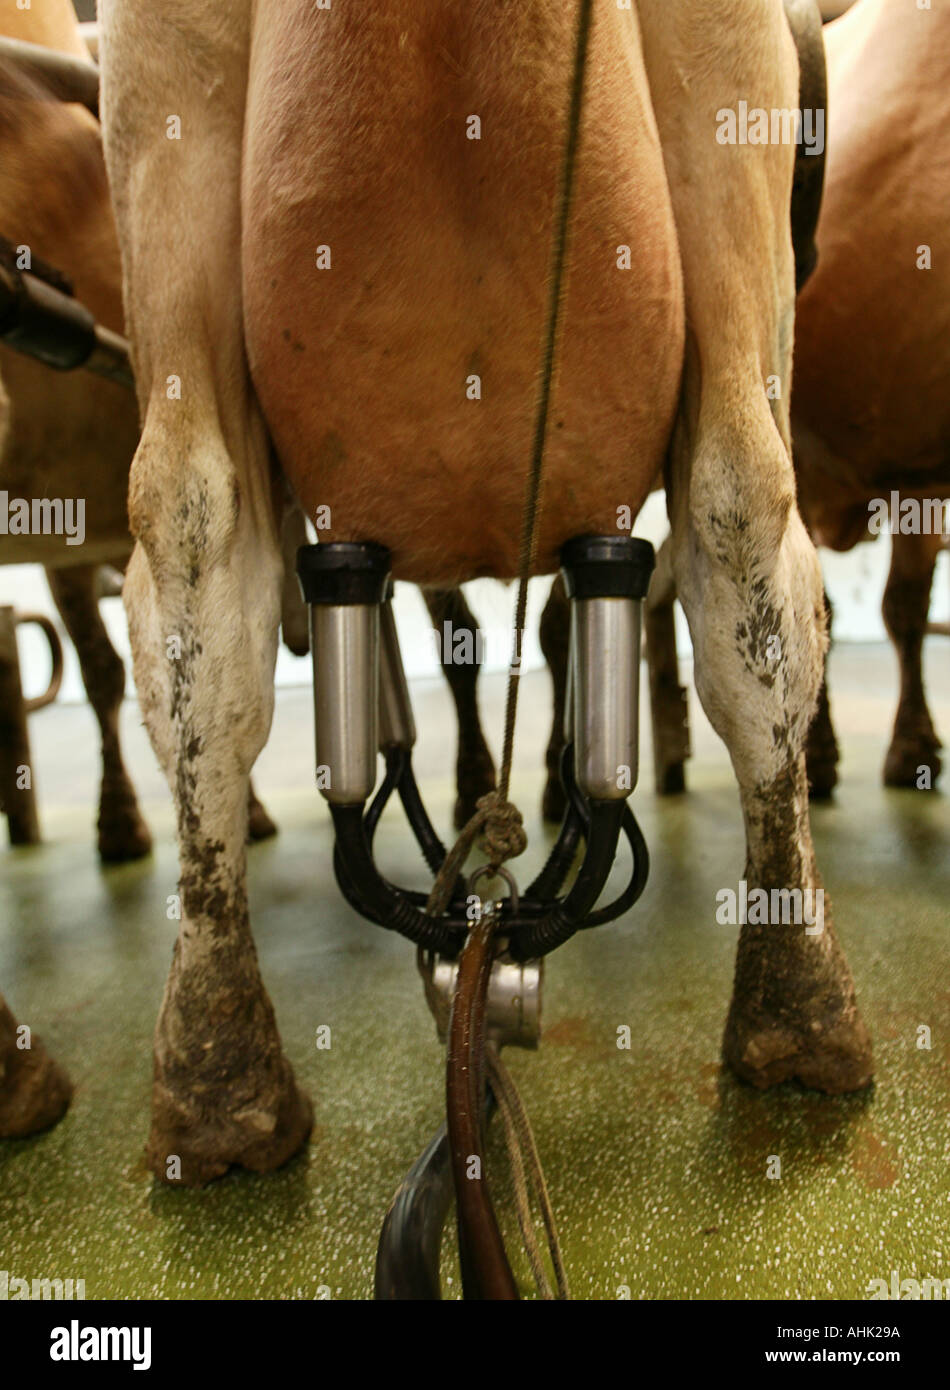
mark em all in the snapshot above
pixel 503 838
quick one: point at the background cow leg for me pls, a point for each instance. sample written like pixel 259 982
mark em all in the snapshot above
pixel 821 754
pixel 555 636
pixel 295 633
pixel 203 586
pixel 259 824
pixel 294 613
pixel 474 768
pixel 914 743
pixel 123 833
pixel 669 708
pixel 34 1093
pixel 746 572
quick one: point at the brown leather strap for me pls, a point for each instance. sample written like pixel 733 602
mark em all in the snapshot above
pixel 486 1273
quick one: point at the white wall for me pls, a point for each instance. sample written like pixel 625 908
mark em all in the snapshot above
pixel 855 582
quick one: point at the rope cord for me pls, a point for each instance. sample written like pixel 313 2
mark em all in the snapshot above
pixel 532 508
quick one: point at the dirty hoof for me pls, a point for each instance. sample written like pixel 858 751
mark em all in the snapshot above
pixel 259 824
pixel 34 1092
pixel 196 1136
pixel 223 1092
pixel 122 833
pixel 554 800
pixel 671 780
pixel 907 758
pixel 835 1059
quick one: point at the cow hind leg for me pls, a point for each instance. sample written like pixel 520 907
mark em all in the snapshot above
pixel 122 832
pixel 294 630
pixel 749 581
pixel 260 826
pixel 203 619
pixel 913 759
pixel 746 572
pixel 455 623
pixel 203 586
pixel 821 756
pixel 34 1092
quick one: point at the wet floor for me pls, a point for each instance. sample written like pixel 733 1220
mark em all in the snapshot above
pixel 657 1162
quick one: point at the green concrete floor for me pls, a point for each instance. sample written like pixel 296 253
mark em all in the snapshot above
pixel 656 1160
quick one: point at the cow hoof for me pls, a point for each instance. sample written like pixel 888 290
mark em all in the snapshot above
pixel 259 824
pixel 196 1137
pixel 671 779
pixel 122 833
pixel 834 1060
pixel 913 763
pixel 34 1092
pixel 554 800
pixel 123 837
pixel 223 1092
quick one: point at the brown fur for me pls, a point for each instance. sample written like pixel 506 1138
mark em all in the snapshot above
pixel 361 369
pixel 871 405
pixel 70 434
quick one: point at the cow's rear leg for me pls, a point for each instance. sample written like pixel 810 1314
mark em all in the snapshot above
pixel 203 597
pixel 913 759
pixel 203 586
pixel 260 826
pixel 122 832
pixel 34 1093
pixel 821 754
pixel 669 709
pixel 749 581
pixel 746 572
pixel 555 637
pixel 474 768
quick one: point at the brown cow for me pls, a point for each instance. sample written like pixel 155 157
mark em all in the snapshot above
pixel 871 401
pixel 314 247
pixel 68 435
pixel 64 436
pixel 870 405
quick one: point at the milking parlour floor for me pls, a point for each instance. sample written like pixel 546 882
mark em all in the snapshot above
pixel 656 1160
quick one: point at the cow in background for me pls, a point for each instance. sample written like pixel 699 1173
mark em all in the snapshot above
pixel 71 435
pixel 871 398
pixel 871 393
